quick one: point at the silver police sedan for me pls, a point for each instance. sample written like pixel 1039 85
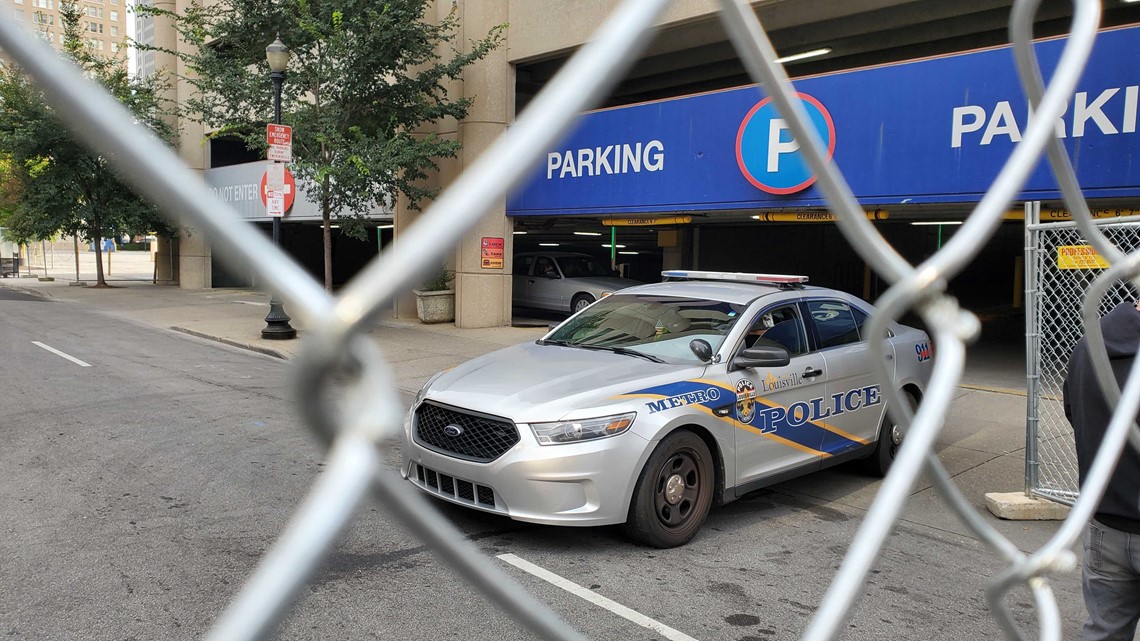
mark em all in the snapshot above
pixel 653 404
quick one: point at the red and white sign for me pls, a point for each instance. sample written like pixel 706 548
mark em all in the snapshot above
pixel 491 253
pixel 280 139
pixel 279 134
pixel 286 197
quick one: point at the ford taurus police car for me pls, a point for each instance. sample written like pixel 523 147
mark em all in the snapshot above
pixel 654 403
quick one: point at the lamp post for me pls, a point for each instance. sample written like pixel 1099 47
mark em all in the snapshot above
pixel 277 325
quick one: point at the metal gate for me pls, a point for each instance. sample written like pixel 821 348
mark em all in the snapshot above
pixel 1059 270
pixel 370 415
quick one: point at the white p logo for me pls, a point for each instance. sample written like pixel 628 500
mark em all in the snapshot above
pixel 776 146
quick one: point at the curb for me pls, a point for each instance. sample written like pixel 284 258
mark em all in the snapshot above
pixel 253 348
pixel 30 291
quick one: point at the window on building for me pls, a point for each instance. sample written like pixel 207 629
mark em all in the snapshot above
pixel 114 16
pixel 19 1
pixel 114 30
pixel 115 47
pixel 20 14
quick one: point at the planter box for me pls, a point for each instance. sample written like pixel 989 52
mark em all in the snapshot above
pixel 435 307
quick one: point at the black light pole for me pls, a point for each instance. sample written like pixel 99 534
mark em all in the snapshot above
pixel 277 325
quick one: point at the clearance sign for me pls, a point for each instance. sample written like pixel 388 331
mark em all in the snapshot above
pixel 931 131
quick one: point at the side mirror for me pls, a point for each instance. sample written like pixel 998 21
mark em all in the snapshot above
pixel 551 275
pixel 761 356
pixel 701 349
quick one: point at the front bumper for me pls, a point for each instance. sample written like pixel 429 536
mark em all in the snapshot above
pixel 582 484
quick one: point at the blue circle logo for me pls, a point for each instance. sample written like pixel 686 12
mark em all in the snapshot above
pixel 768 155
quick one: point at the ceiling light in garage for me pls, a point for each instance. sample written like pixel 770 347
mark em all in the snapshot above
pixel 628 253
pixel 618 246
pixel 548 244
pixel 936 222
pixel 386 227
pixel 814 53
pixel 587 233
pixel 520 233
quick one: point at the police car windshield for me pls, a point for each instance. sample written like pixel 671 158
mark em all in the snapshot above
pixel 661 326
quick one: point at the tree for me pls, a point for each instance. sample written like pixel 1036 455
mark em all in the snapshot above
pixel 62 185
pixel 363 78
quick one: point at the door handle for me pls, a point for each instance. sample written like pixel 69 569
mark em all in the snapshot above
pixel 812 373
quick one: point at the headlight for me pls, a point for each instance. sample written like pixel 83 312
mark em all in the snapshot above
pixel 581 430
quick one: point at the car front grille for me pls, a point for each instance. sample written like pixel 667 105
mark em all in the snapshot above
pixel 449 487
pixel 472 437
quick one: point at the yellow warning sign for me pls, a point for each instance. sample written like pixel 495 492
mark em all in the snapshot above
pixel 1079 257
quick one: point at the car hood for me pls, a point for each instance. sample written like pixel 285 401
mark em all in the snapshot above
pixel 536 383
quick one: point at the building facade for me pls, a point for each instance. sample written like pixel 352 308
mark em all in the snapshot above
pixel 103 23
pixel 689 56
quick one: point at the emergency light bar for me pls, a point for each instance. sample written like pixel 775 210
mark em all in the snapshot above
pixel 766 279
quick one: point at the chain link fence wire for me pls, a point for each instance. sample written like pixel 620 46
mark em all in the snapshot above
pixel 368 416
pixel 1056 288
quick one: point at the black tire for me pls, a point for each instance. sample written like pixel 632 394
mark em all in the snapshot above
pixel 673 494
pixel 890 440
pixel 580 302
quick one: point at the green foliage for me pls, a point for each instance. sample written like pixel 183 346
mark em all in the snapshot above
pixel 51 183
pixel 438 280
pixel 364 77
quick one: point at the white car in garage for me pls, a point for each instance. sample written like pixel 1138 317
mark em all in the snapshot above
pixel 563 281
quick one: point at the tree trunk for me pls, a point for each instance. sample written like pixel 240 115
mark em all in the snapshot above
pixel 97 234
pixel 326 235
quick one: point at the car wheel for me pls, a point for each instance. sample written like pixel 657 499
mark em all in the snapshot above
pixel 673 494
pixel 890 440
pixel 580 302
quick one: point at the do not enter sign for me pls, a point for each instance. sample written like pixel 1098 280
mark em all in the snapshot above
pixel 290 189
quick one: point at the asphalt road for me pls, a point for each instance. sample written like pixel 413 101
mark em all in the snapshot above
pixel 140 491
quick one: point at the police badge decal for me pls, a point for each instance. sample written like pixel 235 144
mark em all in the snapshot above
pixel 745 400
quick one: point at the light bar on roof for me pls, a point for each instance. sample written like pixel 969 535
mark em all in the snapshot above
pixel 772 279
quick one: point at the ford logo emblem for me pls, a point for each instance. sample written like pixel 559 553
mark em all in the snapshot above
pixel 453 430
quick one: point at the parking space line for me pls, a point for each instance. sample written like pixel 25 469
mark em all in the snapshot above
pixel 59 353
pixel 596 599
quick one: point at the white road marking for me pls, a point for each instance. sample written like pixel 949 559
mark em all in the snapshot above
pixel 59 353
pixel 249 302
pixel 596 599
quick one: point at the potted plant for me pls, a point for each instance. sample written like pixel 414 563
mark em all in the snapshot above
pixel 435 300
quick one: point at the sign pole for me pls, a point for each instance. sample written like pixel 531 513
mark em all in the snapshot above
pixel 277 325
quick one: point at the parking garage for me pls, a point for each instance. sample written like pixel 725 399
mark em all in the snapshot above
pixel 715 181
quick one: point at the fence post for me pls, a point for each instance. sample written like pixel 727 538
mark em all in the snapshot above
pixel 1032 335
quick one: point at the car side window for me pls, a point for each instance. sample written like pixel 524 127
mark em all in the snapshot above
pixel 522 265
pixel 834 322
pixel 780 326
pixel 544 266
pixel 861 318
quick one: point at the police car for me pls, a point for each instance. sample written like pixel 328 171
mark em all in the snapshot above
pixel 659 401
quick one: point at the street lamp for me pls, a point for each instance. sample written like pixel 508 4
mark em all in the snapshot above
pixel 277 325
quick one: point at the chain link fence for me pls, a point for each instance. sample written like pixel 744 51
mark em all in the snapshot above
pixel 1062 267
pixel 64 260
pixel 369 416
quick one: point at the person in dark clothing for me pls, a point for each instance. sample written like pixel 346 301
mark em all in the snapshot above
pixel 1111 574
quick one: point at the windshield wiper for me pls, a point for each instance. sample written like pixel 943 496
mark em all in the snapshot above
pixel 605 348
pixel 622 350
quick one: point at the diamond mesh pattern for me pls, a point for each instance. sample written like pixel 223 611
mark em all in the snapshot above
pixel 1059 296
pixel 473 437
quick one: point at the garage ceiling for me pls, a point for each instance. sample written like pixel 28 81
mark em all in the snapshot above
pixel 696 56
